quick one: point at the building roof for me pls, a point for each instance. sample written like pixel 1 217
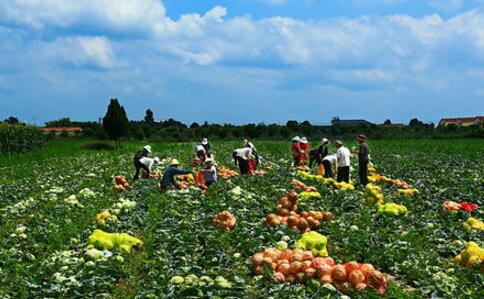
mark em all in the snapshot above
pixel 351 122
pixel 62 129
pixel 465 120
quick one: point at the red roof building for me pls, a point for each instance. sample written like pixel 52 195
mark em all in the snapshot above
pixel 60 130
pixel 462 121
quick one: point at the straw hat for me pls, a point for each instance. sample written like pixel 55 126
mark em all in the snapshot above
pixel 174 162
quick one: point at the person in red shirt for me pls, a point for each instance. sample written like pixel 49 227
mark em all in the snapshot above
pixel 304 147
pixel 296 150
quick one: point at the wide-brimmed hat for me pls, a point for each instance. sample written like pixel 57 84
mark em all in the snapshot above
pixel 204 141
pixel 157 160
pixel 324 140
pixel 338 142
pixel 361 137
pixel 147 148
pixel 174 162
pixel 296 139
pixel 304 140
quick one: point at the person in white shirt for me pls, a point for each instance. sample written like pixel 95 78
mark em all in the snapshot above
pixel 201 152
pixel 242 156
pixel 247 143
pixel 148 164
pixel 343 155
pixel 329 162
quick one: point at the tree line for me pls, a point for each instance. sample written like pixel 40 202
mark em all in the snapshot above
pixel 116 126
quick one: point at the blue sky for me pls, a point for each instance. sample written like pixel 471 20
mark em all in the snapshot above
pixel 242 61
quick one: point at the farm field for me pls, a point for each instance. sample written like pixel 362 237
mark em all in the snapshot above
pixel 49 201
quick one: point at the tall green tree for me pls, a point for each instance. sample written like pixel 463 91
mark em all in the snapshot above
pixel 115 122
pixel 149 119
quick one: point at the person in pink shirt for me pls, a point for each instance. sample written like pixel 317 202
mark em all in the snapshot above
pixel 304 147
pixel 296 150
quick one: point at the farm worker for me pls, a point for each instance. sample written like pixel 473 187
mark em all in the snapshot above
pixel 317 155
pixel 363 159
pixel 201 152
pixel 206 145
pixel 343 155
pixel 242 156
pixel 247 143
pixel 210 172
pixel 136 160
pixel 304 146
pixel 296 150
pixel 149 163
pixel 329 164
pixel 168 181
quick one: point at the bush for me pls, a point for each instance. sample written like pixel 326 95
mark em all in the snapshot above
pixel 20 138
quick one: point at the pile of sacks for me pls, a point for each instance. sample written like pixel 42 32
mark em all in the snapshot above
pixel 225 220
pixel 286 213
pixel 120 183
pixel 374 196
pixel 225 173
pixel 299 266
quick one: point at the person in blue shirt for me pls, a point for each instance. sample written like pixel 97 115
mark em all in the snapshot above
pixel 168 180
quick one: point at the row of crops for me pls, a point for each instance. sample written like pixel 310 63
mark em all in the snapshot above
pixel 50 211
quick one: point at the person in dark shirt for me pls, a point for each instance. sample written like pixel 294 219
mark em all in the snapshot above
pixel 363 159
pixel 317 155
pixel 206 145
pixel 168 180
pixel 136 161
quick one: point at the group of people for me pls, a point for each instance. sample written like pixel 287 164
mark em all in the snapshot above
pixel 339 161
pixel 247 159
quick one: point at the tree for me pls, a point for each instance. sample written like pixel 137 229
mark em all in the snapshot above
pixel 293 125
pixel 62 122
pixel 387 122
pixel 194 125
pixel 415 123
pixel 12 120
pixel 149 117
pixel 115 122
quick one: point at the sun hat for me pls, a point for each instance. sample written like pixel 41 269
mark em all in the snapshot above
pixel 209 160
pixel 204 141
pixel 296 139
pixel 324 140
pixel 361 137
pixel 174 162
pixel 147 148
pixel 338 142
pixel 157 160
pixel 304 140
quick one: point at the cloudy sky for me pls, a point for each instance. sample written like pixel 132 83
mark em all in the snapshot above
pixel 242 61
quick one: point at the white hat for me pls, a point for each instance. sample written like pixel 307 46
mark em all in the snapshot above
pixel 204 141
pixel 147 148
pixel 338 142
pixel 304 140
pixel 157 160
pixel 209 160
pixel 296 139
pixel 174 162
pixel 324 140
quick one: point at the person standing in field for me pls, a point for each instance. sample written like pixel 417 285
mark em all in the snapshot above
pixel 343 156
pixel 206 145
pixel 242 156
pixel 145 152
pixel 329 164
pixel 296 150
pixel 363 159
pixel 168 180
pixel 304 147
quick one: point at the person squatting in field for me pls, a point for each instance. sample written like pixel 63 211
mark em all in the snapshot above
pixel 210 172
pixel 363 159
pixel 145 152
pixel 329 163
pixel 343 156
pixel 317 155
pixel 168 181
pixel 242 157
pixel 202 150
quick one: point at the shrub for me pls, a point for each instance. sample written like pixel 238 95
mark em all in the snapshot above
pixel 20 138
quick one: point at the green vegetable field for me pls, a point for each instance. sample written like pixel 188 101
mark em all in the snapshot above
pixel 49 201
